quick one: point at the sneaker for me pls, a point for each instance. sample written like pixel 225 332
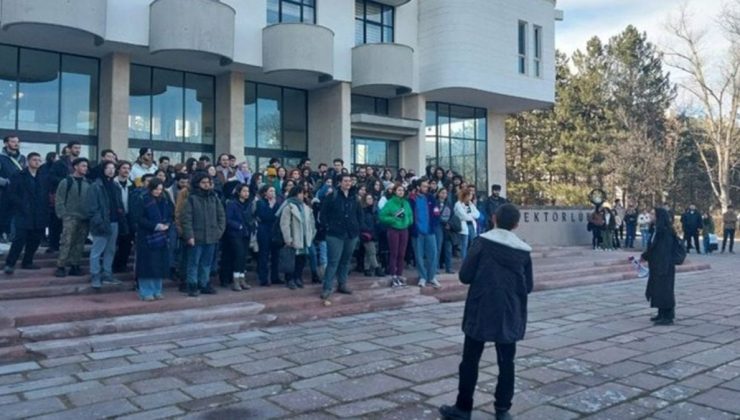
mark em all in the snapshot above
pixel 193 291
pixel 453 413
pixel 60 272
pixel 299 283
pixel 75 271
pixel 9 269
pixel 208 290
pixel 344 290
pixel 503 415
pixel 30 267
pixel 395 282
pixel 95 282
pixel 111 280
pixel 379 272
pixel 158 297
pixel 148 298
pixel 325 295
pixel 315 279
pixel 435 284
pixel 402 280
pixel 663 321
pixel 291 285
pixel 422 283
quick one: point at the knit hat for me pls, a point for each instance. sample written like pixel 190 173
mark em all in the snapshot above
pixel 271 171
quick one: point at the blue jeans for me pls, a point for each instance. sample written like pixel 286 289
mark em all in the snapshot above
pixel 645 234
pixel 444 247
pixel 464 240
pixel 103 247
pixel 150 288
pixel 629 241
pixel 339 253
pixel 426 254
pixel 199 265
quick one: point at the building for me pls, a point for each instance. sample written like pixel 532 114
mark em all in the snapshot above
pixel 397 83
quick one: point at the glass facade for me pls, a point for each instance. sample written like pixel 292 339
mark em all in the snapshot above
pixel 275 123
pixel 49 97
pixel 362 104
pixel 456 139
pixel 374 22
pixel 537 51
pixel 291 11
pixel 376 152
pixel 522 47
pixel 171 111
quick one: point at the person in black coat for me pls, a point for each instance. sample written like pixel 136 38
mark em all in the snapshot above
pixel 498 269
pixel 691 223
pixel 27 197
pixel 152 255
pixel 239 228
pixel 660 259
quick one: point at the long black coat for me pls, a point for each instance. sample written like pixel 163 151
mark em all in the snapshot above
pixel 28 197
pixel 152 262
pixel 660 285
pixel 500 277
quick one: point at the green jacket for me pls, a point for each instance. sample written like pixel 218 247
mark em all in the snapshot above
pixel 708 225
pixel 71 198
pixel 203 218
pixel 397 213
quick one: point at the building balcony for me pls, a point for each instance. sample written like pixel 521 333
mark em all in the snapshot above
pixel 383 70
pixel 88 16
pixel 394 3
pixel 298 49
pixel 203 26
pixel 390 127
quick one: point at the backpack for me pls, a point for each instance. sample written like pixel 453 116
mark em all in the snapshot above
pixel 455 224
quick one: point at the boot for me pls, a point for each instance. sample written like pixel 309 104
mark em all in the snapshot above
pixel 299 283
pixel 243 283
pixel 75 271
pixel 369 273
pixel 379 272
pixel 453 413
pixel 315 279
pixel 193 290
pixel 291 285
pixel 235 285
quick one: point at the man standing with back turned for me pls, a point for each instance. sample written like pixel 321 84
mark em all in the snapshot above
pixel 499 271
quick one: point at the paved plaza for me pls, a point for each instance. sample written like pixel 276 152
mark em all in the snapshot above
pixel 590 352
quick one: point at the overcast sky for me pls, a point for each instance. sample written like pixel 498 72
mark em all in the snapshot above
pixel 605 18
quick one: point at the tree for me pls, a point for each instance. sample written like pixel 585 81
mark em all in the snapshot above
pixel 718 142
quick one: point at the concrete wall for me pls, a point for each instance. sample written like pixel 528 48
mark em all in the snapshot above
pixel 298 46
pixel 113 112
pixel 412 148
pixel 230 113
pixel 496 151
pixel 86 15
pixel 557 226
pixel 329 124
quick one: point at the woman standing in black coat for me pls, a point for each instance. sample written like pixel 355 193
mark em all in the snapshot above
pixel 660 257
pixel 152 254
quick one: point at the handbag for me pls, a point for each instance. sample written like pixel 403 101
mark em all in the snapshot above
pixel 157 239
pixel 455 224
pixel 286 260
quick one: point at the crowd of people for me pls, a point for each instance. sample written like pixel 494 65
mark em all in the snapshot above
pixel 199 223
pixel 617 227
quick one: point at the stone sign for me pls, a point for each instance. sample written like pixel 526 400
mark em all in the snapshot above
pixel 557 226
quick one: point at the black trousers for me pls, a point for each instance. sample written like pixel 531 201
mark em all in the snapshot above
pixel 472 351
pixel 300 264
pixel 24 238
pixel 55 230
pixel 728 234
pixel 687 237
pixel 667 313
pixel 124 243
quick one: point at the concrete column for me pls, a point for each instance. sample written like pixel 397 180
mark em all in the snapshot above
pixel 113 116
pixel 413 153
pixel 329 124
pixel 496 151
pixel 230 114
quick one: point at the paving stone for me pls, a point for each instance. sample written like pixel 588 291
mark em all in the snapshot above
pixel 609 355
pixel 205 348
pixel 571 365
pixel 675 393
pixel 361 408
pixel 560 389
pixel 160 399
pixel 627 368
pixel 261 366
pixel 652 403
pixel 18 367
pixel 365 387
pixel 151 357
pixel 63 370
pixel 624 411
pixel 8 399
pixel 315 369
pixel 116 371
pixel 721 399
pixel 365 357
pixel 209 403
pixel 99 394
pixel 257 381
pixel 264 391
pixel 703 382
pixel 713 357
pixel 192 342
pixel 370 368
pixel 309 356
pixel 318 381
pixel 303 400
pixel 34 385
pixel 689 411
pixel 228 361
pixel 105 363
pixel 438 387
pixel 93 411
pixel 646 381
pixel 547 412
pixel 31 408
pixel 203 374
pixel 50 363
pixel 677 370
pixel 111 353
pixel 252 409
pixel 428 370
pixel 159 413
pixel 209 389
pixel 544 374
pixel 149 386
pixel 399 340
pixel 598 398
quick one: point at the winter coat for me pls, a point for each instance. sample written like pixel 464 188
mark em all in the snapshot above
pixel 152 262
pixel 467 213
pixel 492 204
pixel 99 203
pixel 9 166
pixel 596 219
pixel 28 197
pixel 266 215
pixel 659 255
pixel 424 225
pixel 707 225
pixel 71 198
pixel 342 215
pixel 138 170
pixel 370 223
pixel 397 213
pixel 59 170
pixel 691 222
pixel 498 269
pixel 239 220
pixel 298 227
pixel 630 218
pixel 203 218
pixel 729 219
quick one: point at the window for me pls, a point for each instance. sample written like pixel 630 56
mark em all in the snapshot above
pixel 173 109
pixel 538 51
pixel 48 97
pixel 456 139
pixel 362 104
pixel 522 41
pixel 275 123
pixel 373 22
pixel 291 11
pixel 376 152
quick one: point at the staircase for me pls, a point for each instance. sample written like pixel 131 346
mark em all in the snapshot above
pixel 42 316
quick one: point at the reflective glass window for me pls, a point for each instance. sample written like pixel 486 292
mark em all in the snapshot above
pixel 8 86
pixel 374 22
pixel 199 108
pixel 79 99
pixel 139 103
pixel 268 117
pixel 38 93
pixel 167 105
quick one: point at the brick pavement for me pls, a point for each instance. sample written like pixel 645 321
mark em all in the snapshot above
pixel 590 352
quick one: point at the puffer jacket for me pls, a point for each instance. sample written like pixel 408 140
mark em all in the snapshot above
pixel 203 217
pixel 298 229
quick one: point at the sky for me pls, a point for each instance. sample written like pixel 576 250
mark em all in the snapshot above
pixel 606 18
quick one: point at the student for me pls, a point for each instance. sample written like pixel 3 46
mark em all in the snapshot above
pixel 152 256
pixel 106 213
pixel 499 272
pixel 298 227
pixel 397 217
pixel 661 258
pixel 239 226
